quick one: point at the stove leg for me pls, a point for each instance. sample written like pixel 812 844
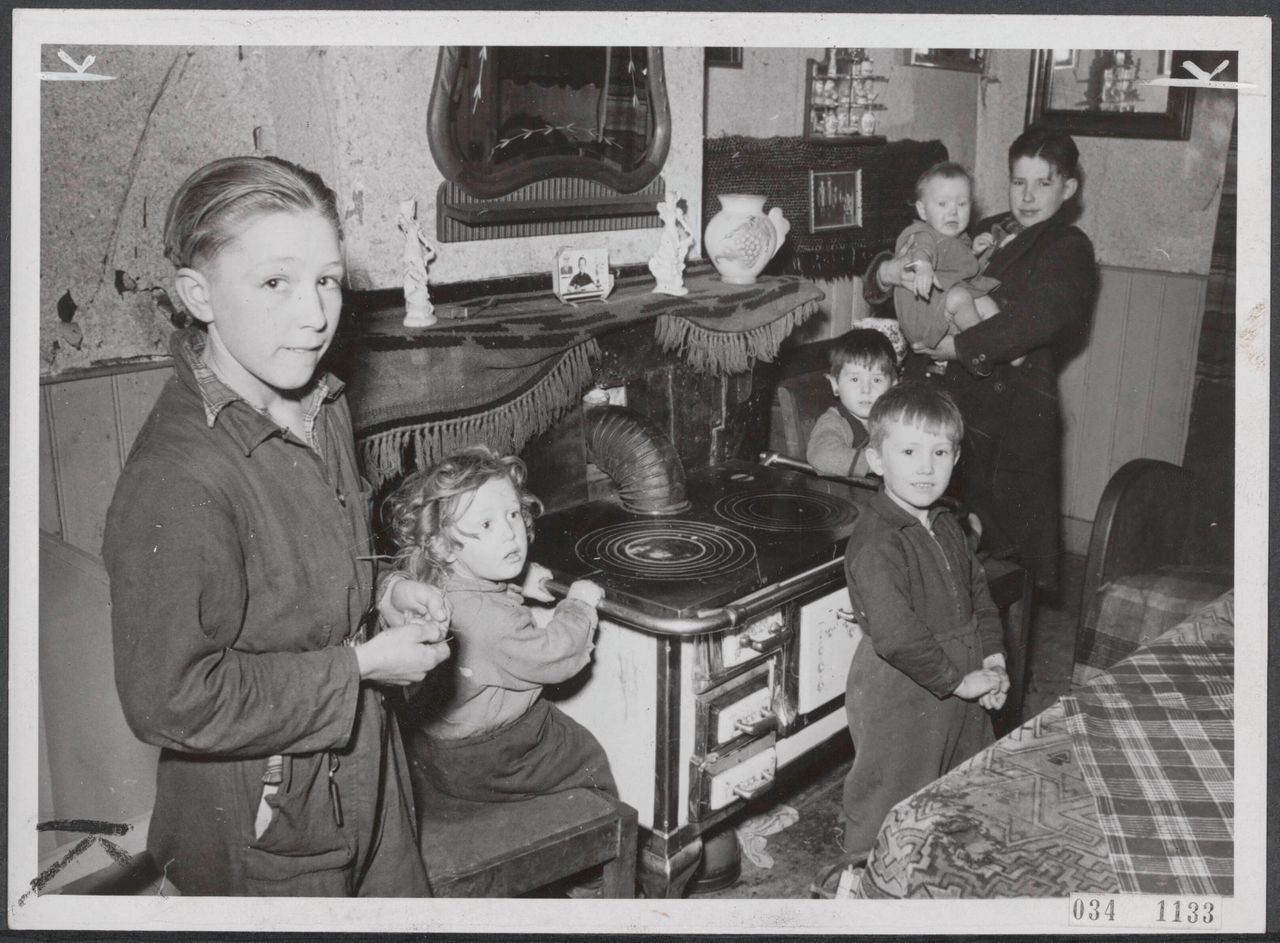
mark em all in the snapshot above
pixel 665 877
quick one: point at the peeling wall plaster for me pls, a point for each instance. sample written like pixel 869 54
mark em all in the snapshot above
pixel 112 153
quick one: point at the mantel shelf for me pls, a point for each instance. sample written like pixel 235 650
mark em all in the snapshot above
pixel 537 210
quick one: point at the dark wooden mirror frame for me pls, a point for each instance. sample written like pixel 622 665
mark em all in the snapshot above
pixel 487 184
pixel 1173 124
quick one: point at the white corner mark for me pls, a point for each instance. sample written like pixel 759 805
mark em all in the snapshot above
pixel 1202 78
pixel 79 71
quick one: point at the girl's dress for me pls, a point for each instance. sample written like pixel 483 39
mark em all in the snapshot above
pixel 486 734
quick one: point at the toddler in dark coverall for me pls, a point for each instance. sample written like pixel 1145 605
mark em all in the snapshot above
pixel 464 525
pixel 933 656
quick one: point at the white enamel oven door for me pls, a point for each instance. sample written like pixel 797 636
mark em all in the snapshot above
pixel 820 653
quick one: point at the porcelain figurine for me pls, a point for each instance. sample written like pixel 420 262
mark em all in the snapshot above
pixel 741 238
pixel 868 123
pixel 418 254
pixel 667 264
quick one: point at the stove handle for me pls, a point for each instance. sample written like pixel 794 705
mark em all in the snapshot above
pixel 754 787
pixel 714 620
pixel 754 728
pixel 776 460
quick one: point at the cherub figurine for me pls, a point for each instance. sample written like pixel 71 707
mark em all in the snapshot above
pixel 667 264
pixel 418 253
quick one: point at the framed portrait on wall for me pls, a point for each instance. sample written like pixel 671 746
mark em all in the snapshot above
pixel 1108 93
pixel 724 57
pixel 959 60
pixel 835 199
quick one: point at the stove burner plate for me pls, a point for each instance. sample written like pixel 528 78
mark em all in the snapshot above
pixel 783 510
pixel 665 550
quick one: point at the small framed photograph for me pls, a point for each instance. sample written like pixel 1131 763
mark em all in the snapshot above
pixel 835 199
pixel 724 57
pixel 582 274
pixel 960 60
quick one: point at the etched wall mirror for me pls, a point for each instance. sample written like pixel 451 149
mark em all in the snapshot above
pixel 503 117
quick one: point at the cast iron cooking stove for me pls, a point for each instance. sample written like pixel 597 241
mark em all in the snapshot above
pixel 724 644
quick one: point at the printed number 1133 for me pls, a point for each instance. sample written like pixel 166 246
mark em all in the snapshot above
pixel 1146 911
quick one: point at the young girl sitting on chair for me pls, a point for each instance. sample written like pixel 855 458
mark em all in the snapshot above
pixel 464 525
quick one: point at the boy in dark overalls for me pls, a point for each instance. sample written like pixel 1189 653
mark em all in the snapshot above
pixel 933 657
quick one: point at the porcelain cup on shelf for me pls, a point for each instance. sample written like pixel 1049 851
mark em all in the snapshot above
pixel 742 238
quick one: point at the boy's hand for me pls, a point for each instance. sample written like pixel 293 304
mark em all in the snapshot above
pixel 921 278
pixel 982 242
pixel 404 654
pixel 411 599
pixel 889 273
pixel 977 683
pixel 535 584
pixel 587 591
pixel 994 700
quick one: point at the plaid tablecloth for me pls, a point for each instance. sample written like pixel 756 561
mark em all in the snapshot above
pixel 1135 609
pixel 1154 736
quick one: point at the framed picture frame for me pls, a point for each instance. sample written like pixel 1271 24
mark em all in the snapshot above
pixel 724 57
pixel 1106 93
pixel 582 274
pixel 835 199
pixel 958 60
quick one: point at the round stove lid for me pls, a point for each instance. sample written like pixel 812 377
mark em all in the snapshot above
pixel 784 510
pixel 672 549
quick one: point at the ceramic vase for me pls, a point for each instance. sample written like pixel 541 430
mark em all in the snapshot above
pixel 742 238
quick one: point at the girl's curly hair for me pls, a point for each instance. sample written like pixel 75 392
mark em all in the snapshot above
pixel 422 511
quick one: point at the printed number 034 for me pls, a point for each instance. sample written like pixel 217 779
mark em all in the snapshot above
pixel 1093 909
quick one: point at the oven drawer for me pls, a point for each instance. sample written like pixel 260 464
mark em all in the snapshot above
pixel 725 654
pixel 721 780
pixel 739 710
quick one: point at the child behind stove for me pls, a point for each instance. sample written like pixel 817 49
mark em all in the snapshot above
pixel 863 364
pixel 465 525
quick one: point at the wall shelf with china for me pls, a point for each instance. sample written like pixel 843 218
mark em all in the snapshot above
pixel 840 98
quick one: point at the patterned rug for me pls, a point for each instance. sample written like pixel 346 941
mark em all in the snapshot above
pixel 1017 820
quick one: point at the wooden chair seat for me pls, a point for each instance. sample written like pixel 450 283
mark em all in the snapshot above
pixel 504 849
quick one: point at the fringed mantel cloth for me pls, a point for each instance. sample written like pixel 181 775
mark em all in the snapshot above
pixel 779 168
pixel 509 372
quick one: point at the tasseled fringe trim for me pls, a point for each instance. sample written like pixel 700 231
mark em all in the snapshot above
pixel 505 428
pixel 725 352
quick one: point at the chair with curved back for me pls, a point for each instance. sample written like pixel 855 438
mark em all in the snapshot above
pixel 1147 565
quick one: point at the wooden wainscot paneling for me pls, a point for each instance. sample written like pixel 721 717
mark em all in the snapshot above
pixel 1128 394
pixel 87 426
pixel 96 768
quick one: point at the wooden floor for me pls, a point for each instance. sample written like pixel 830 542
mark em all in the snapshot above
pixel 801 851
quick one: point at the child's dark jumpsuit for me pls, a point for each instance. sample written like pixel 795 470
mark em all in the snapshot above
pixel 923 602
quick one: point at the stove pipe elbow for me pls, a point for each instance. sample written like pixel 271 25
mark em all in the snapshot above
pixel 641 462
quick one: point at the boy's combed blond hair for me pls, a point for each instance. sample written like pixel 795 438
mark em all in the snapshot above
pixel 916 403
pixel 423 510
pixel 214 204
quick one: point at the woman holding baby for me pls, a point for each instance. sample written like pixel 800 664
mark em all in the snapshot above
pixel 1009 468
